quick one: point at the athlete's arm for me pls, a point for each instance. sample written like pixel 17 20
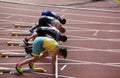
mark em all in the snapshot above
pixel 54 60
pixel 32 36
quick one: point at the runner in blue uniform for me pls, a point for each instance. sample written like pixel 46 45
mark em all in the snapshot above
pixel 53 14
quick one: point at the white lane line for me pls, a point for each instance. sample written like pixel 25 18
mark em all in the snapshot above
pixel 90 38
pixel 92 49
pixel 63 67
pixel 12 14
pixel 78 22
pixel 50 63
pixel 18 40
pixel 77 62
pixel 70 37
pixel 66 7
pixel 69 29
pixel 93 22
pixel 71 50
pixel 11 21
pixel 89 62
pixel 9 16
pixel 86 15
pixel 56 67
pixel 114 63
pixel 68 19
pixel 95 39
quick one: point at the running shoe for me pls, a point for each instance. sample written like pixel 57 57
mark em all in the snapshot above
pixel 19 69
pixel 31 66
pixel 26 42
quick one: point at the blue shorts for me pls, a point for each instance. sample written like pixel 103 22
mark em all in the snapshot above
pixel 37 46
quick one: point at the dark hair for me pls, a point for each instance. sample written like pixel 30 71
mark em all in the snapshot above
pixel 63 52
pixel 63 38
pixel 62 30
pixel 63 21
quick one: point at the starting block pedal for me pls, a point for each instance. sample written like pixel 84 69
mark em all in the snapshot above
pixel 12 43
pixel 22 26
pixel 11 70
pixel 20 34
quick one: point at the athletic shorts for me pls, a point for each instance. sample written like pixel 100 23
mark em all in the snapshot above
pixel 38 46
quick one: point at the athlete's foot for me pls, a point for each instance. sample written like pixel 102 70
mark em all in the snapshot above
pixel 19 69
pixel 31 66
pixel 26 42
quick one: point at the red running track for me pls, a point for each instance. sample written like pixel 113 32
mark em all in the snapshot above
pixel 94 40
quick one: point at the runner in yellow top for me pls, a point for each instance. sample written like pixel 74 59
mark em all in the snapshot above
pixel 40 49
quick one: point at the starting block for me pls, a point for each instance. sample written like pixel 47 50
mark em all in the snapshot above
pixel 20 34
pixel 22 26
pixel 117 1
pixel 5 54
pixel 11 70
pixel 12 43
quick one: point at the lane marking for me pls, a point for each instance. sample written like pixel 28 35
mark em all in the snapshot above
pixel 9 16
pixel 96 33
pixel 89 22
pixel 63 67
pixel 71 29
pixel 86 15
pixel 89 62
pixel 92 49
pixel 65 7
pixel 56 67
pixel 77 62
pixel 49 63
pixel 91 38
pixel 70 19
pixel 93 22
pixel 3 20
pixel 71 50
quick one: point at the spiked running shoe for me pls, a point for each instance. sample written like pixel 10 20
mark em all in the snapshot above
pixel 25 43
pixel 19 69
pixel 31 66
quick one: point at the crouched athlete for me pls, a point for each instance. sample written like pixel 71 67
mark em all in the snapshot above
pixel 41 48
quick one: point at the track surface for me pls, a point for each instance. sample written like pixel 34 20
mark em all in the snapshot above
pixel 93 30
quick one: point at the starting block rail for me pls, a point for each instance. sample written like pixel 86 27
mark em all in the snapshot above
pixel 8 70
pixel 23 26
pixel 12 43
pixel 20 34
pixel 5 54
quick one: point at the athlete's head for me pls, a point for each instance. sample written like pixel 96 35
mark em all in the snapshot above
pixel 46 13
pixel 63 21
pixel 63 52
pixel 63 38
